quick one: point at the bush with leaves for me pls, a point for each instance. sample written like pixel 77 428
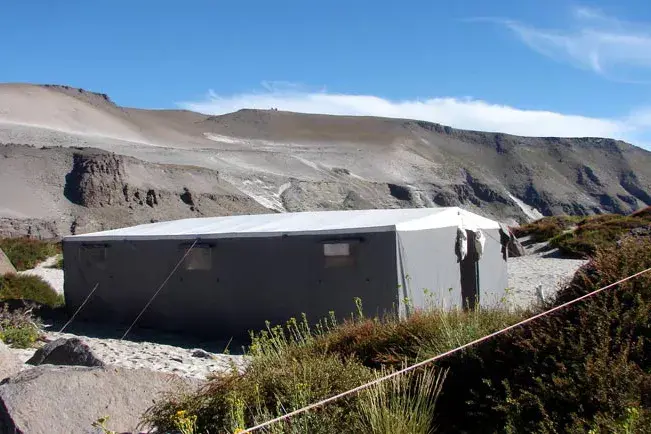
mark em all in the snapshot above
pixel 597 233
pixel 28 287
pixel 580 368
pixel 298 364
pixel 26 253
pixel 547 227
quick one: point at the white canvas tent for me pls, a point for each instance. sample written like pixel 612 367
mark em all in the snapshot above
pixel 244 270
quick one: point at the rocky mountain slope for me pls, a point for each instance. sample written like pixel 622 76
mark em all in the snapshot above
pixel 73 161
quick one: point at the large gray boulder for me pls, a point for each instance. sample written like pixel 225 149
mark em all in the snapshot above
pixel 72 351
pixel 10 364
pixel 68 399
pixel 6 266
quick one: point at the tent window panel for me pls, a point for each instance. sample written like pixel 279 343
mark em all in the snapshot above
pixel 199 258
pixel 94 255
pixel 338 255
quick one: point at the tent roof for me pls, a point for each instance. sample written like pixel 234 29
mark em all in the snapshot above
pixel 298 223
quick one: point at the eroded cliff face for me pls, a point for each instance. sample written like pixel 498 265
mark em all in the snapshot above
pixel 93 190
pixel 96 180
pixel 84 190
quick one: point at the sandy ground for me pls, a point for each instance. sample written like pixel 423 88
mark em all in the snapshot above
pixel 187 362
pixel 531 275
pixel 53 276
pixel 155 356
pixel 539 274
pixel 526 275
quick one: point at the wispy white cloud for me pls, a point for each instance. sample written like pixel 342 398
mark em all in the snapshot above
pixel 614 48
pixel 465 113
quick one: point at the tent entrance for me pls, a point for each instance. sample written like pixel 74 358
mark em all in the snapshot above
pixel 469 268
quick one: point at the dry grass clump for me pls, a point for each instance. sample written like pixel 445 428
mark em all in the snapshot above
pixel 644 213
pixel 402 404
pixel 389 341
pixel 18 327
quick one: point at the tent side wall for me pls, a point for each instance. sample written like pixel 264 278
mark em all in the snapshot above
pixel 233 285
pixel 493 275
pixel 428 269
pixel 430 274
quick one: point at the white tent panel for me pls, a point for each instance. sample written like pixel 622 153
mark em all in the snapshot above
pixel 448 217
pixel 375 220
pixel 429 273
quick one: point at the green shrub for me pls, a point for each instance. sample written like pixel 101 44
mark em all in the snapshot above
pixel 592 234
pixel 265 390
pixel 295 365
pixel 19 328
pixel 580 368
pixel 28 287
pixel 585 368
pixel 547 227
pixel 26 253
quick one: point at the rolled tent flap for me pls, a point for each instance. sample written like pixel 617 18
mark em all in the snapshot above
pixel 462 243
pixel 480 240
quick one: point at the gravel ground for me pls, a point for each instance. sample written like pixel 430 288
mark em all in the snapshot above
pixel 541 271
pixel 151 355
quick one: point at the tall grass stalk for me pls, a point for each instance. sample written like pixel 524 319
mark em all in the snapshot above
pixel 454 328
pixel 402 404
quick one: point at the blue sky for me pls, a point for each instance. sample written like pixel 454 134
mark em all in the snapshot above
pixel 528 67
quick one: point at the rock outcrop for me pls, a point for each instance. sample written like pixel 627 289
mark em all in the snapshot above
pixel 68 352
pixel 85 190
pixel 68 399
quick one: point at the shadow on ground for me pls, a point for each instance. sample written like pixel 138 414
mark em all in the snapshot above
pixel 54 319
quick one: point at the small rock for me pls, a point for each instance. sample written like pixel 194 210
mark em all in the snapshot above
pixel 201 354
pixel 64 351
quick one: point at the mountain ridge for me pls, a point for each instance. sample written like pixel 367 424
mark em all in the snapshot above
pixel 286 161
